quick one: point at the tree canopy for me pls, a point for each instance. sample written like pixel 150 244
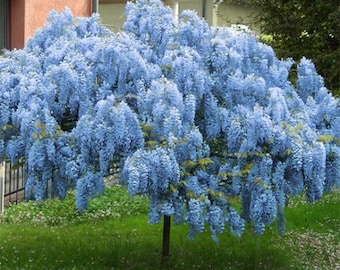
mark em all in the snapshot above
pixel 202 119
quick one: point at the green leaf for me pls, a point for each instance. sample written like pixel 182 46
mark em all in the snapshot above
pixel 6 127
pixel 325 138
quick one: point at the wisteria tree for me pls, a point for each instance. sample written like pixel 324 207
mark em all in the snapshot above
pixel 202 119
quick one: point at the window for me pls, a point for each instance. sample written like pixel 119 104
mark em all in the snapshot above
pixel 5 24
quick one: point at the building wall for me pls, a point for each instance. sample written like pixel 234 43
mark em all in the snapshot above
pixel 28 15
pixel 112 15
pixel 204 8
pixel 17 24
pixel 112 12
pixel 228 14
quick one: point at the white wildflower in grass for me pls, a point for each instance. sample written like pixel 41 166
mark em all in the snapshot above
pixel 313 250
pixel 115 203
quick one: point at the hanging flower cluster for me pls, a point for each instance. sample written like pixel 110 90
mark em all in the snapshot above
pixel 203 120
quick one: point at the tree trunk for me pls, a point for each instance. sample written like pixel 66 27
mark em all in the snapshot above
pixel 166 236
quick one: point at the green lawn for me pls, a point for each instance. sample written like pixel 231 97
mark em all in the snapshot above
pixel 114 234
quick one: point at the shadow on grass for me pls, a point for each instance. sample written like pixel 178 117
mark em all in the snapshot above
pixel 131 243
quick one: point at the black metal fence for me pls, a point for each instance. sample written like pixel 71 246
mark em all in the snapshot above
pixel 14 183
pixel 13 189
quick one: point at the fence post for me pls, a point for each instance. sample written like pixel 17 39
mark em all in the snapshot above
pixel 2 187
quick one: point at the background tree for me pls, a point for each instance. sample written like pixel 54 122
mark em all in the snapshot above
pixel 304 28
pixel 202 119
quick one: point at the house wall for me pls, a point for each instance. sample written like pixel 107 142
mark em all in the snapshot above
pixel 112 15
pixel 204 9
pixel 228 14
pixel 112 12
pixel 17 24
pixel 28 15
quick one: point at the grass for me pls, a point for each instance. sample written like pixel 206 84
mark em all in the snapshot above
pixel 114 234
